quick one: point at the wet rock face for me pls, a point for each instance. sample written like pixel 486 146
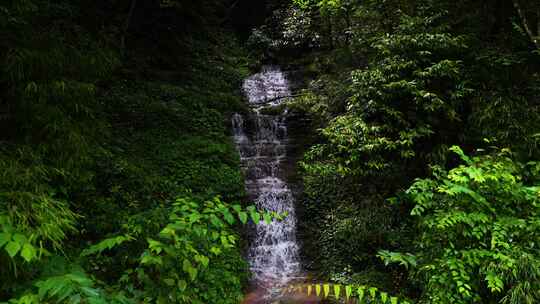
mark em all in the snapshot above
pixel 263 144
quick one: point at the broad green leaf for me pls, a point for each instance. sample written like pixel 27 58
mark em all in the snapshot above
pixel 326 288
pixel 155 245
pixel 361 292
pixel 20 238
pixel 215 250
pixel 495 284
pixel 12 248
pixel 237 208
pixel 204 260
pixel 224 241
pixel 372 292
pixel 186 265
pixel 348 291
pixel 251 209
pixel 194 217
pixel 228 217
pixel 193 273
pixel 267 218
pixel 28 252
pixel 148 259
pixel 337 290
pixel 256 217
pixel 216 221
pixel 4 238
pixel 243 217
pixel 384 297
pixel 182 285
pixel 461 154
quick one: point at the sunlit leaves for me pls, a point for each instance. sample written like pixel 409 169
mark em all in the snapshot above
pixel 17 244
pixel 361 291
pixel 406 95
pixel 13 248
pixel 192 249
pixel 243 217
pixel 363 294
pixel 326 290
pixel 337 291
pixel 188 268
pixel 495 284
pixel 407 260
pixel 72 287
pixel 29 252
pixel 477 223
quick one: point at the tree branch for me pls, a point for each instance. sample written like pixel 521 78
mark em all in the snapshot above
pixel 525 25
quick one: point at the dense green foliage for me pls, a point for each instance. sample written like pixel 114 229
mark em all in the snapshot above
pixel 119 180
pixel 395 85
pixel 479 228
pixel 99 136
pixel 194 259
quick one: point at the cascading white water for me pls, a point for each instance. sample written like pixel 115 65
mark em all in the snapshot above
pixel 273 254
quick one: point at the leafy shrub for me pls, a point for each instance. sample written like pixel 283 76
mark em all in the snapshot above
pixel 479 232
pixel 92 156
pixel 196 259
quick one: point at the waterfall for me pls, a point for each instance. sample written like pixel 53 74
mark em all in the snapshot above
pixel 261 140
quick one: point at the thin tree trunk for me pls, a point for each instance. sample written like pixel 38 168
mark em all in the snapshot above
pixel 525 25
pixel 127 24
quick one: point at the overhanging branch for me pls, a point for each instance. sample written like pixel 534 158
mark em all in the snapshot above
pixel 523 19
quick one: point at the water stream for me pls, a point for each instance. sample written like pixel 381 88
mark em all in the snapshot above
pixel 262 140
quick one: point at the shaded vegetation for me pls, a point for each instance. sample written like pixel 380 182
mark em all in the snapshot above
pixel 119 182
pixel 107 117
pixel 394 85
